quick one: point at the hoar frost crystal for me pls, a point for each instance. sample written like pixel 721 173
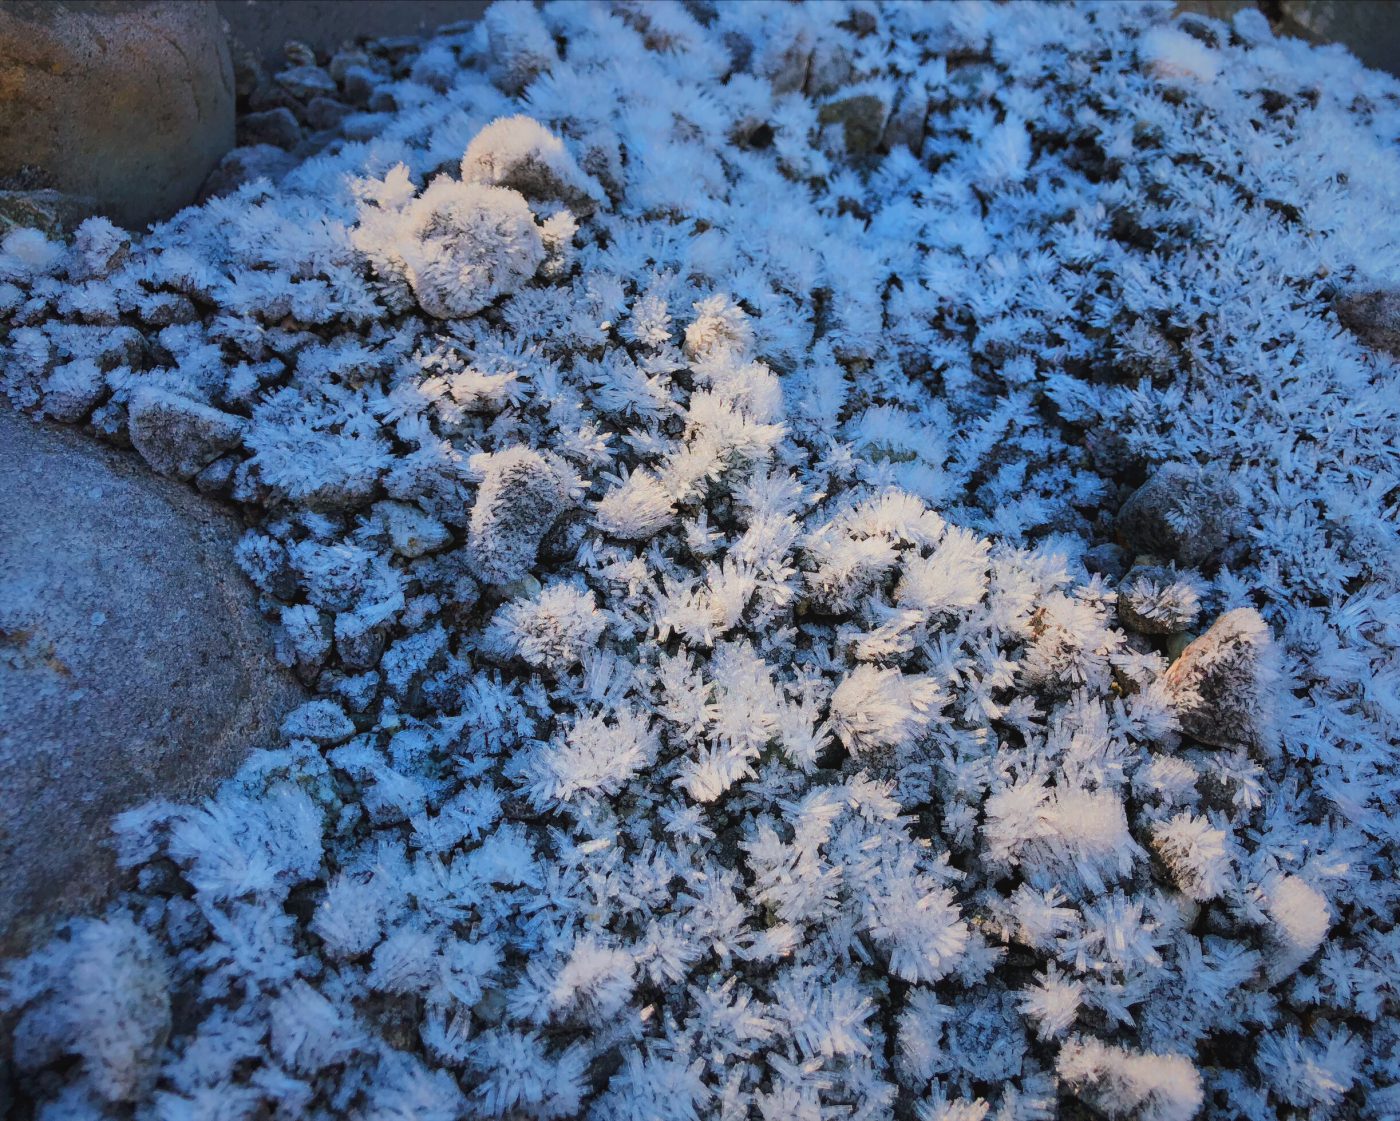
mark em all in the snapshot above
pixel 847 561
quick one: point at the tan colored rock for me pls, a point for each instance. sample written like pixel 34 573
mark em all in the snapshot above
pixel 128 103
pixel 1373 316
pixel 133 663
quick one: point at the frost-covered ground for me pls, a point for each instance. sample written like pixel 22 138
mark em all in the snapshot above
pixel 698 455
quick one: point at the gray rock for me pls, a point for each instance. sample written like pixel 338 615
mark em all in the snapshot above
pixel 129 103
pixel 277 127
pixel 1109 560
pixel 305 82
pixel 133 662
pixel 1181 513
pixel 243 165
pixel 266 25
pixel 1224 684
pixel 325 112
pixel 178 436
pixel 51 211
pixel 359 84
pixel 862 120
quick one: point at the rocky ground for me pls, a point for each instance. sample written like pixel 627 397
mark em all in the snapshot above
pixel 844 557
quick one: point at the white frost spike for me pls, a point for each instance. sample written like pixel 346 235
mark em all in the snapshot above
pixel 1053 1002
pixel 520 153
pixel 100 995
pixel 720 326
pixel 1223 684
pixel 1123 1084
pixel 1004 155
pixel 554 630
pixel 953 578
pixel 519 499
pixel 594 757
pixel 596 981
pixel 458 245
pixel 636 509
pixel 1298 922
pixel 876 710
pixel 1196 855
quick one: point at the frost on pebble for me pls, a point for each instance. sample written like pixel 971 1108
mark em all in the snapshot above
pixel 1298 922
pixel 1157 600
pixel 457 245
pixel 521 46
pixel 1196 854
pixel 1224 685
pixel 730 701
pixel 1181 513
pixel 465 245
pixel 1125 1084
pixel 521 154
pixel 520 496
pixel 323 722
pixel 178 436
pixel 411 532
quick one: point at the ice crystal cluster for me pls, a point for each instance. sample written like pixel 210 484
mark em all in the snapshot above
pixel 847 558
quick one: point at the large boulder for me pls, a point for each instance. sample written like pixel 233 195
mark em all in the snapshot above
pixel 129 104
pixel 133 662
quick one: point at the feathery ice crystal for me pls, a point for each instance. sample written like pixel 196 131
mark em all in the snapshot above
pixel 847 557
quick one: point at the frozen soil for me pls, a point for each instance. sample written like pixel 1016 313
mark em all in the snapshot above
pixel 847 558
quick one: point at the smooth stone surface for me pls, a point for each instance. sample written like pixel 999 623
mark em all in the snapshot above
pixel 133 663
pixel 130 104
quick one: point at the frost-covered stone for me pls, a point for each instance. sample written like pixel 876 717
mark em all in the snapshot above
pixel 458 245
pixel 521 48
pixel 1224 683
pixel 520 496
pixel 412 533
pixel 1157 600
pixel 178 436
pixel 1298 922
pixel 1123 1084
pixel 322 722
pixel 1196 854
pixel 521 154
pixel 73 390
pixel 1181 513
